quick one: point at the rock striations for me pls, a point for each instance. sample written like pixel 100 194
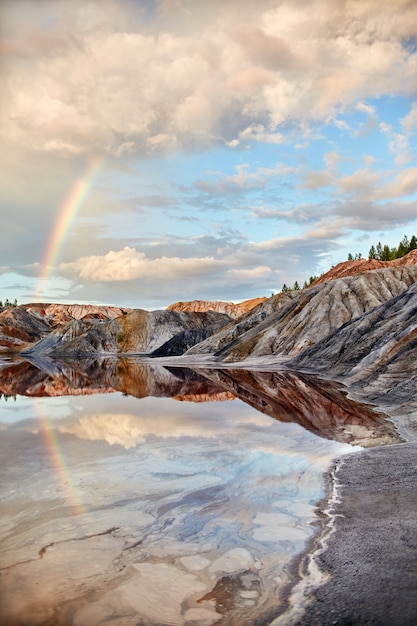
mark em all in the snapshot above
pixel 350 268
pixel 230 308
pixel 137 332
pixel 359 328
pixel 287 324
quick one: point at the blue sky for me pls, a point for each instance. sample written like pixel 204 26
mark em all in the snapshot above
pixel 242 145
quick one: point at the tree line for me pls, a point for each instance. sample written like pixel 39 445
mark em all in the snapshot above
pixel 8 303
pixel 379 252
pixel 385 253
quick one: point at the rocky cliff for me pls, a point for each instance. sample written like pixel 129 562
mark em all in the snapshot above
pixel 137 332
pixel 287 324
pixel 350 268
pixel 361 329
pixel 375 353
pixel 230 308
pixel 28 323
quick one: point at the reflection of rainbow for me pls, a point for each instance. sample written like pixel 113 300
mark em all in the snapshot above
pixel 57 458
pixel 66 214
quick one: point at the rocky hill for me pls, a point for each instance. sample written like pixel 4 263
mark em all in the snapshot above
pixel 361 329
pixel 137 332
pixel 376 351
pixel 287 324
pixel 28 323
pixel 350 268
pixel 230 308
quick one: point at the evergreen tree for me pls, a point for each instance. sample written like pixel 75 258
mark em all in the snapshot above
pixel 372 253
pixel 386 253
pixel 403 247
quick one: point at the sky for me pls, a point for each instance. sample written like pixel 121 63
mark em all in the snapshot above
pixel 153 151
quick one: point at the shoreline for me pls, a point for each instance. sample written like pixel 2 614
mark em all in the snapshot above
pixel 359 565
pixel 305 573
pixel 360 568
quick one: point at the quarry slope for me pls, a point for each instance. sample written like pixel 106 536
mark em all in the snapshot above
pixel 350 268
pixel 375 353
pixel 230 308
pixel 137 332
pixel 287 324
pixel 28 323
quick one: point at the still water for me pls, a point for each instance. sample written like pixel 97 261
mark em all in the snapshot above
pixel 136 494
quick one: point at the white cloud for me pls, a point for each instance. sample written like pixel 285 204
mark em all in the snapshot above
pixel 317 179
pixel 229 273
pixel 129 264
pixel 365 108
pixel 244 179
pixel 397 144
pixel 109 80
pixel 404 184
pixel 409 122
pixel 360 182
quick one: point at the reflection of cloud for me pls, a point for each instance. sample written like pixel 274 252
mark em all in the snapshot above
pixel 130 430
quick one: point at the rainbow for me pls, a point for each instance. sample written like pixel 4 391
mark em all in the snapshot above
pixel 65 217
pixel 59 464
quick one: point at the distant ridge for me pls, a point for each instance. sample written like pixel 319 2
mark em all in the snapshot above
pixel 230 308
pixel 351 268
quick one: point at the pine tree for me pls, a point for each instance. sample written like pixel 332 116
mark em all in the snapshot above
pixel 386 253
pixel 372 253
pixel 403 247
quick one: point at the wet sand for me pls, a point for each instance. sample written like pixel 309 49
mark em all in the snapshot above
pixel 366 556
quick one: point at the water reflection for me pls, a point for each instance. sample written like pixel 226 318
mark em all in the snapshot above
pixel 319 406
pixel 156 511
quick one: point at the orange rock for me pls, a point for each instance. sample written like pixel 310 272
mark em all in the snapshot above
pixel 350 268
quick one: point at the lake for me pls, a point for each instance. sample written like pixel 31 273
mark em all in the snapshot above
pixel 140 494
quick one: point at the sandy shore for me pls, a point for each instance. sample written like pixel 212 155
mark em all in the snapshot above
pixel 367 559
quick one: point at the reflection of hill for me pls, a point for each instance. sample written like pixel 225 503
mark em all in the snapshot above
pixel 321 407
pixel 318 405
pixel 48 377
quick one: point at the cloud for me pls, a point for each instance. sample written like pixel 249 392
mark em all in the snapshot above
pixel 360 182
pixel 404 184
pixel 377 216
pixel 81 79
pixel 302 214
pixel 244 180
pixel 129 264
pixel 317 179
pixel 409 122
pixel 226 272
